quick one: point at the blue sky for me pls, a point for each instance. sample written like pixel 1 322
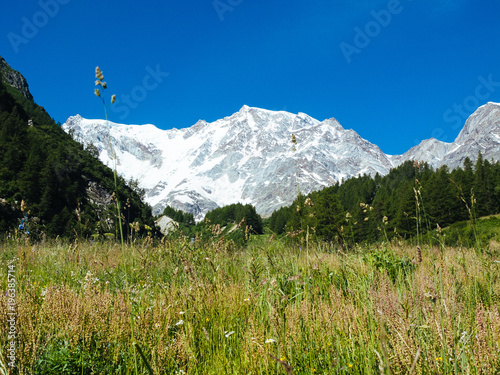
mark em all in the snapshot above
pixel 396 71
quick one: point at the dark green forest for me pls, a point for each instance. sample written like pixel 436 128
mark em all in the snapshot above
pixel 45 170
pixel 411 200
pixel 236 222
pixel 181 217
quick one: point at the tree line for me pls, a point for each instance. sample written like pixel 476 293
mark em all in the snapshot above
pixel 413 198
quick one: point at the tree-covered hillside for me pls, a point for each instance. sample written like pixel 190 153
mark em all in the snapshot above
pixel 413 198
pixel 65 190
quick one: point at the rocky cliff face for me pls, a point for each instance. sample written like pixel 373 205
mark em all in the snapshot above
pixel 14 78
pixel 248 157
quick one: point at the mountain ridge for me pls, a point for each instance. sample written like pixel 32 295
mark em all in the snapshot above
pixel 247 157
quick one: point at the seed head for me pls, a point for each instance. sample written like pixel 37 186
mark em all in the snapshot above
pixel 97 92
pixel 113 98
pixel 104 85
pixel 98 82
pixel 419 254
pixel 294 140
pixel 98 73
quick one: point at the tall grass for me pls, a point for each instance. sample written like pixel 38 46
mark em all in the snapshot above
pixel 193 308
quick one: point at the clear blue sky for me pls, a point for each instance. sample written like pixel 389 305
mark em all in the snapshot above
pixel 416 72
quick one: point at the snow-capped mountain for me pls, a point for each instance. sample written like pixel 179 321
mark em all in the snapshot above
pixel 480 133
pixel 248 157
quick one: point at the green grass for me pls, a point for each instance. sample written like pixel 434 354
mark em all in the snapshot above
pixel 182 308
pixel 484 234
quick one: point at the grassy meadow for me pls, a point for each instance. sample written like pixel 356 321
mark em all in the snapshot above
pixel 182 307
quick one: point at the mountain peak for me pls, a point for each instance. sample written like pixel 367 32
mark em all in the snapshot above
pixel 483 123
pixel 15 79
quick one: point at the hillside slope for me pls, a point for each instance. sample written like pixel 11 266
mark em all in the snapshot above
pixel 66 190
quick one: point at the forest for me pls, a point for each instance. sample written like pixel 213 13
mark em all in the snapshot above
pixel 412 199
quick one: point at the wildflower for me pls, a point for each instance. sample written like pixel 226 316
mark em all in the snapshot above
pixel 269 341
pixel 179 323
pixel 182 312
pixel 227 334
pixel 207 320
pixel 439 358
pixel 247 299
pixel 349 365
pixel 366 219
pixel 283 359
pixel 157 325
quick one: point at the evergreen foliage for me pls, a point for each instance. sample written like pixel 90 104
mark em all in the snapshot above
pixel 179 215
pixel 44 167
pixel 411 200
pixel 236 214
